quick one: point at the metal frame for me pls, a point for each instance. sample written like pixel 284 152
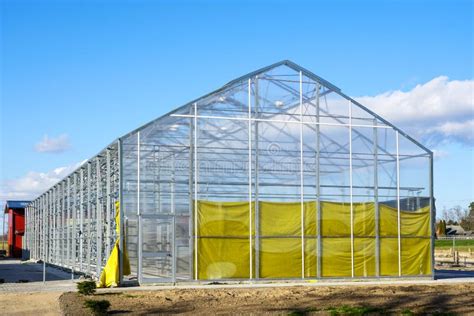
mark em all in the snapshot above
pixel 255 139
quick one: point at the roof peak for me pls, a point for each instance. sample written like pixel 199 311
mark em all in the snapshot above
pixel 290 64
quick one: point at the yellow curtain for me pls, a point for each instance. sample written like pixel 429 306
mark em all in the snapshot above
pixel 224 241
pixel 110 274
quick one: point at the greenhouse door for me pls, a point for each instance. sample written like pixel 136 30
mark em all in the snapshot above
pixel 157 262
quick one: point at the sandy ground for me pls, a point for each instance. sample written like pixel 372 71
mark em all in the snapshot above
pixel 30 303
pixel 453 292
pixel 391 299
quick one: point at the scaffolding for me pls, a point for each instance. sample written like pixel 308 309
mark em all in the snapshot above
pixel 278 135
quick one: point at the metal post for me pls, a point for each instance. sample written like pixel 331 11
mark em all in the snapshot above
pixel 173 211
pixel 140 224
pixel 81 219
pixel 398 207
pixel 432 215
pixel 74 224
pixel 64 225
pixel 122 210
pixel 89 218
pixel 108 205
pixel 48 226
pixel 302 178
pixel 350 189
pixel 191 200
pixel 376 202
pixel 256 181
pixel 44 238
pixel 196 174
pixel 98 208
pixel 318 184
pixel 250 175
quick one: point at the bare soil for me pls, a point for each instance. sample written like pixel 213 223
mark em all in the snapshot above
pixel 381 299
pixel 45 303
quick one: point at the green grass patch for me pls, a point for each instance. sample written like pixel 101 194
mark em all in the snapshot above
pixel 302 312
pixel 461 244
pixel 98 308
pixel 86 287
pixel 354 310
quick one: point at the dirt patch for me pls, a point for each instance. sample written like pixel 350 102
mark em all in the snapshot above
pixel 30 303
pixel 425 299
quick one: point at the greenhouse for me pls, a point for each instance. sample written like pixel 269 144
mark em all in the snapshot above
pixel 276 175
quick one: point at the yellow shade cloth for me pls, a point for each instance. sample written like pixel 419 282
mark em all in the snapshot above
pixel 110 274
pixel 224 240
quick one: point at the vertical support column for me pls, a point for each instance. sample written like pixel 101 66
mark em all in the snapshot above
pixel 51 238
pixel 46 238
pixel 49 218
pixel 57 207
pixel 350 189
pixel 55 221
pixel 302 178
pixel 173 211
pixel 398 208
pixel 81 220
pixel 122 236
pixel 196 174
pixel 64 224
pixel 191 199
pixel 89 218
pixel 376 202
pixel 57 225
pixel 33 213
pixel 249 125
pixel 140 224
pixel 256 181
pixel 36 224
pixel 68 223
pixel 98 208
pixel 318 185
pixel 108 210
pixel 432 216
pixel 74 222
pixel 45 225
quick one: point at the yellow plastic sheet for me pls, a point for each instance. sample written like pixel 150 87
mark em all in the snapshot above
pixel 284 219
pixel 223 258
pixel 223 243
pixel 224 249
pixel 411 223
pixel 336 219
pixel 388 256
pixel 229 219
pixel 416 258
pixel 110 274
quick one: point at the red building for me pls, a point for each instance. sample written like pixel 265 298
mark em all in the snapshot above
pixel 16 226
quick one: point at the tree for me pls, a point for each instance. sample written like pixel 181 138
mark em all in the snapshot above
pixel 467 222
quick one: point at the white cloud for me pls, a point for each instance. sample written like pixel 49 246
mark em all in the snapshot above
pixel 437 111
pixel 33 183
pixel 53 145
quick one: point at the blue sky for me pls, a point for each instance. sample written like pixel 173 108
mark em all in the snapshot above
pixel 83 73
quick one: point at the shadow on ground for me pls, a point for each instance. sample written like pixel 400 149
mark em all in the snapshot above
pixel 16 271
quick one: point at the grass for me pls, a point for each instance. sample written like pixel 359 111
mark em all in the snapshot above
pixel 354 310
pixel 462 244
pixel 343 310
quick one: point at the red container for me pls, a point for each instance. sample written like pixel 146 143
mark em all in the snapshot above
pixel 16 226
